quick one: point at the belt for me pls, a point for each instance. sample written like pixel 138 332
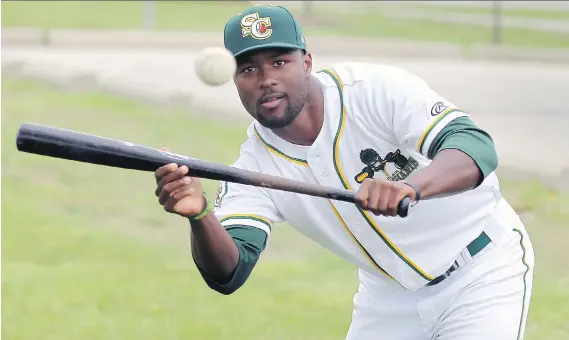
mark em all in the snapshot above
pixel 473 248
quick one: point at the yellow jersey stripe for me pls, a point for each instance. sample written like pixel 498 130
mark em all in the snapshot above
pixel 394 248
pixel 432 126
pixel 246 217
pixel 371 260
pixel 342 124
pixel 366 216
pixel 280 153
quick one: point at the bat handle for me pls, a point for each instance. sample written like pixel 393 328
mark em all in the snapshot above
pixel 350 196
pixel 403 207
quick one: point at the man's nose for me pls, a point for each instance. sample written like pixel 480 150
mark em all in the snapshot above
pixel 267 79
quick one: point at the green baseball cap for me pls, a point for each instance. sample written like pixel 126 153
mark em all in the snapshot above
pixel 260 27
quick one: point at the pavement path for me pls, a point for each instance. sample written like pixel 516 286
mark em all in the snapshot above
pixel 523 105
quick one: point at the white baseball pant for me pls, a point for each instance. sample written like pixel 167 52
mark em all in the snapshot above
pixel 486 298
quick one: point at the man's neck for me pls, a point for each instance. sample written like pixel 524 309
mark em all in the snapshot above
pixel 306 127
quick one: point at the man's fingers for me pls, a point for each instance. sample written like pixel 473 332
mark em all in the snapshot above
pixel 398 196
pixel 375 195
pixel 163 170
pixel 393 204
pixel 174 185
pixel 177 196
pixel 174 175
pixel 362 195
pixel 385 194
pixel 171 188
pixel 163 197
pixel 182 193
pixel 380 197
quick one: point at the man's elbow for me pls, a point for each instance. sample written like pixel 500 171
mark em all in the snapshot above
pixel 486 161
pixel 493 160
pixel 230 284
pixel 226 289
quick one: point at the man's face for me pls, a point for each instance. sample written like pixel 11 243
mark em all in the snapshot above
pixel 273 85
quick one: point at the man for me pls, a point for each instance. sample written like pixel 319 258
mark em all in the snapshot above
pixel 459 266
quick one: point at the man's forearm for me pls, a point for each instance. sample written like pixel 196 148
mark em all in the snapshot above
pixel 249 241
pixel 451 172
pixel 213 249
pixel 463 156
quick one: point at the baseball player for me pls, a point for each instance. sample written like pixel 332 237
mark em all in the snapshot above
pixel 459 266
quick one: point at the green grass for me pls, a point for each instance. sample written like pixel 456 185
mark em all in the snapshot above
pixel 211 16
pixel 203 16
pixel 88 253
pixel 514 13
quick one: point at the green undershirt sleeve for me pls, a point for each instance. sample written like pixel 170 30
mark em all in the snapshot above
pixel 250 242
pixel 464 135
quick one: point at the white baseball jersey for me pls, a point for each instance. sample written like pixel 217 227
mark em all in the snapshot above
pixel 379 122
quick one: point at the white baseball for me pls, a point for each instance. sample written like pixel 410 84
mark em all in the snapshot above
pixel 215 66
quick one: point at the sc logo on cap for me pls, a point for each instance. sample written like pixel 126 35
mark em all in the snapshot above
pixel 258 28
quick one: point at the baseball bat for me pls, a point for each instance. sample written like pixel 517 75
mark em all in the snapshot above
pixel 88 148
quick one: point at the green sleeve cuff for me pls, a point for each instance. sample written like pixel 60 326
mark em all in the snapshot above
pixel 464 135
pixel 250 242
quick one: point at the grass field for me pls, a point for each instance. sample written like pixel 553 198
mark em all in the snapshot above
pixel 212 15
pixel 88 253
pixel 507 12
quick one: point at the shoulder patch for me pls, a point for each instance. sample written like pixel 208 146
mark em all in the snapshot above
pixel 438 108
pixel 221 192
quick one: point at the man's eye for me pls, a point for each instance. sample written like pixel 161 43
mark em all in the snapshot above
pixel 279 63
pixel 247 69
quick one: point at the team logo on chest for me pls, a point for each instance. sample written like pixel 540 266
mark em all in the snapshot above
pixel 394 165
pixel 258 28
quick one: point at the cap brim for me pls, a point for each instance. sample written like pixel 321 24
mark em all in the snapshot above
pixel 269 45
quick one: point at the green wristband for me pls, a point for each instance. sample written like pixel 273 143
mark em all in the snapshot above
pixel 200 215
pixel 203 213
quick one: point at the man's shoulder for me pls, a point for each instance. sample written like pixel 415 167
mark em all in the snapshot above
pixel 251 148
pixel 352 72
pixel 251 142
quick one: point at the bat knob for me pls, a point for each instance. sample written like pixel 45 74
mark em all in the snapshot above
pixel 403 207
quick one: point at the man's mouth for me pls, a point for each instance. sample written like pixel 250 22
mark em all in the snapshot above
pixel 271 101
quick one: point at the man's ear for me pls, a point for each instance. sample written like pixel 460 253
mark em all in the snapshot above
pixel 308 63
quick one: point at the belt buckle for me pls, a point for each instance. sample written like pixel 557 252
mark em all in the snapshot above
pixel 444 275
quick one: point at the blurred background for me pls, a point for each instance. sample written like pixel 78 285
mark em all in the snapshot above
pixel 517 23
pixel 87 253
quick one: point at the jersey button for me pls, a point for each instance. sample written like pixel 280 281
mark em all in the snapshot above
pixel 324 173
